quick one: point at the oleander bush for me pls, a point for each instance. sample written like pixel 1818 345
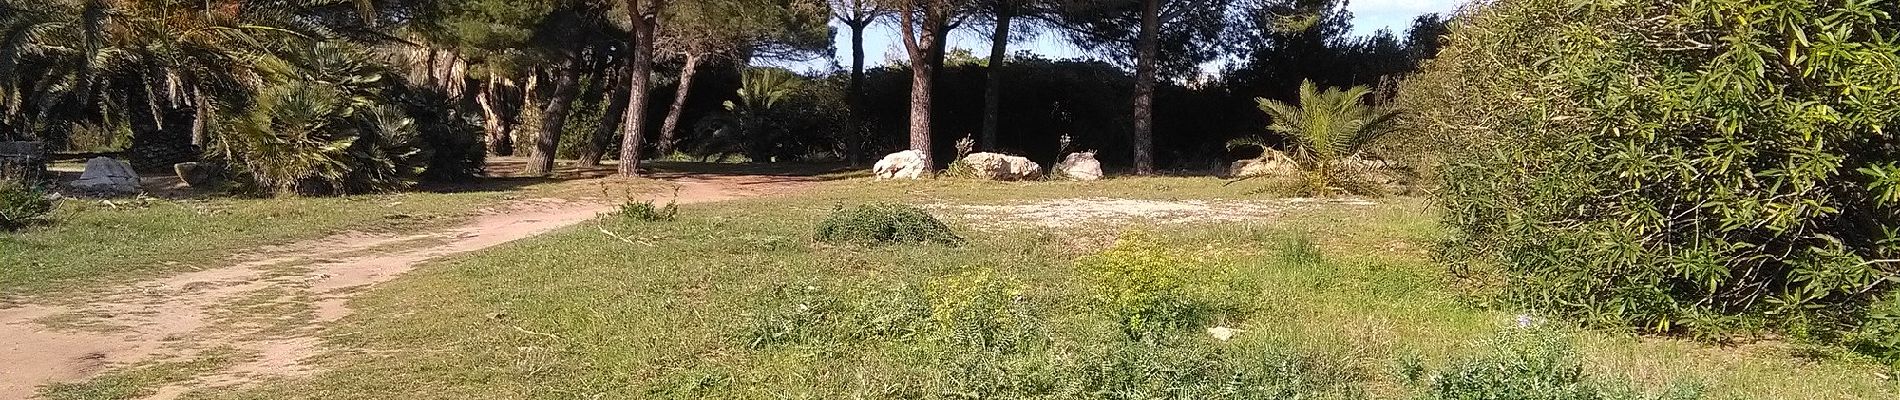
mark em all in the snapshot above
pixel 1706 167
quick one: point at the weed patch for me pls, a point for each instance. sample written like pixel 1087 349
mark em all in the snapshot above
pixel 648 211
pixel 1533 364
pixel 21 203
pixel 884 223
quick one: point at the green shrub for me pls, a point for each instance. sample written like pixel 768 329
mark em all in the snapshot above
pixel 979 309
pixel 1529 364
pixel 1142 285
pixel 1672 166
pixel 1879 334
pixel 647 211
pixel 21 203
pixel 884 223
pixel 1330 128
pixel 323 126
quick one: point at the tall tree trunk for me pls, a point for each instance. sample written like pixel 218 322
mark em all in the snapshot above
pixel 554 121
pixel 920 88
pixel 494 123
pixel 856 144
pixel 201 118
pixel 993 85
pixel 645 22
pixel 530 110
pixel 669 129
pixel 609 123
pixel 918 45
pixel 1145 87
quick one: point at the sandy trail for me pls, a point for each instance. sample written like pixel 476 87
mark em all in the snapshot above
pixel 268 308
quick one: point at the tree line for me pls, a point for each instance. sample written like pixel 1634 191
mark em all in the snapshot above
pixel 319 95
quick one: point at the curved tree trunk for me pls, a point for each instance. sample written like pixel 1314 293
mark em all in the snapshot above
pixel 921 41
pixel 993 85
pixel 1145 87
pixel 554 121
pixel 609 123
pixel 669 129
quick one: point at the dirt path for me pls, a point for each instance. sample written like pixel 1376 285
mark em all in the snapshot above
pixel 266 311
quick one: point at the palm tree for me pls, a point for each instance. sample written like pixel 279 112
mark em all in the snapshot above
pixel 1330 127
pixel 159 68
pixel 761 90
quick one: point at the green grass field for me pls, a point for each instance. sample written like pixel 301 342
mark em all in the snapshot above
pixel 735 300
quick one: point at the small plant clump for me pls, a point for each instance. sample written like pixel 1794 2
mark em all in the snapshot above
pixel 1143 286
pixel 1534 363
pixel 21 203
pixel 648 211
pixel 884 223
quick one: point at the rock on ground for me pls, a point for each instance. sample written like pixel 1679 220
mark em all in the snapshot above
pixel 107 176
pixel 907 164
pixel 1272 163
pixel 1002 167
pixel 1080 166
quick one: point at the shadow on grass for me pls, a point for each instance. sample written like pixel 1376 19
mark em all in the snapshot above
pixel 504 174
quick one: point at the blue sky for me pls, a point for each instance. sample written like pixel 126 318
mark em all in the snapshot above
pixel 882 42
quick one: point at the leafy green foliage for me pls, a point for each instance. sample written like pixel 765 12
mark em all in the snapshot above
pixel 301 138
pixel 21 203
pixel 884 223
pixel 981 309
pixel 1672 166
pixel 1330 127
pixel 1142 285
pixel 647 211
pixel 1532 364
pixel 328 126
pixel 1879 333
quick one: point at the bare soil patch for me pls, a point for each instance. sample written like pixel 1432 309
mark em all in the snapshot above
pixel 1078 212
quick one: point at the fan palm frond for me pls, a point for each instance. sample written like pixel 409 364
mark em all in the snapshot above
pixel 1328 127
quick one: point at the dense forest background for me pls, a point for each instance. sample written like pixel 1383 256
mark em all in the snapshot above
pixel 506 66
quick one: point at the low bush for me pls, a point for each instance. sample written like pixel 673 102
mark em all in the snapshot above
pixel 648 211
pixel 21 203
pixel 1142 286
pixel 982 310
pixel 1532 364
pixel 884 223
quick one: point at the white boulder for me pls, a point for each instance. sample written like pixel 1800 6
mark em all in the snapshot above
pixel 1080 166
pixel 907 164
pixel 1001 167
pixel 107 176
